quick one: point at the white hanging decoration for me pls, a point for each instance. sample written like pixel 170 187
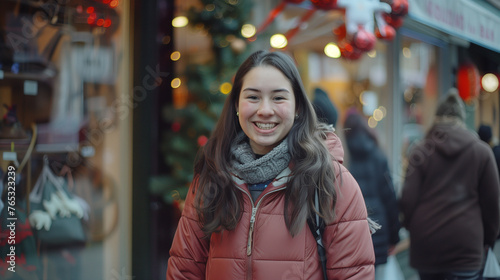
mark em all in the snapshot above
pixel 360 13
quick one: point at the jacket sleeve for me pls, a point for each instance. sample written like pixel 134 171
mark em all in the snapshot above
pixel 389 199
pixel 489 200
pixel 347 240
pixel 189 251
pixel 410 193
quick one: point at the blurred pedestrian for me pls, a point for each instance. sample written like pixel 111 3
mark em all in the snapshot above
pixel 324 107
pixel 450 198
pixel 370 168
pixel 246 214
pixel 486 134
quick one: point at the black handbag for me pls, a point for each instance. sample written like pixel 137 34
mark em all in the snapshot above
pixel 56 214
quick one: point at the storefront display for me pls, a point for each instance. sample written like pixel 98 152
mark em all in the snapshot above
pixel 59 86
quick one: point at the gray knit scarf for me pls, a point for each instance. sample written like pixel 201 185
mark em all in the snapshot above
pixel 257 170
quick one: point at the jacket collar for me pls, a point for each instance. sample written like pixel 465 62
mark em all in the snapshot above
pixel 334 146
pixel 282 178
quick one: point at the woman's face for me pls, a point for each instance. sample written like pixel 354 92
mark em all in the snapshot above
pixel 266 108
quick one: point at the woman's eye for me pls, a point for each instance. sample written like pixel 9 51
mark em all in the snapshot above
pixel 278 98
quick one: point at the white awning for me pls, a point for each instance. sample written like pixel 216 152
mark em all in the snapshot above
pixel 466 19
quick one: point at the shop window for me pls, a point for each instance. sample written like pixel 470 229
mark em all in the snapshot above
pixel 360 85
pixel 420 76
pixel 59 77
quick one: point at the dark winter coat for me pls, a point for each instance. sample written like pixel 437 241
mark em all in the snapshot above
pixel 266 250
pixel 450 200
pixel 496 152
pixel 369 167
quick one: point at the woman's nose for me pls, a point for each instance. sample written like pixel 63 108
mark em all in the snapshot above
pixel 265 108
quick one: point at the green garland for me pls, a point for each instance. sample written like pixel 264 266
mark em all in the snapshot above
pixel 191 125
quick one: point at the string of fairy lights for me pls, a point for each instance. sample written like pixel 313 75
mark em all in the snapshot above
pixel 248 31
pixel 489 81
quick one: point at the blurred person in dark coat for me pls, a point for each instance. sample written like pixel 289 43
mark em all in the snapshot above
pixel 450 198
pixel 370 168
pixel 486 134
pixel 324 107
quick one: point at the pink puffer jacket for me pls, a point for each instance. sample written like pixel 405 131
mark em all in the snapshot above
pixel 262 248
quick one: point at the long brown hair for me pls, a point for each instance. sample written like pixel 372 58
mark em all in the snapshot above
pixel 219 204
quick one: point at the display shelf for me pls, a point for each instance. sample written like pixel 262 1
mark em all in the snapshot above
pixel 44 77
pixel 15 144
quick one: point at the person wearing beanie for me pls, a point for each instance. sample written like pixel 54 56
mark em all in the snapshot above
pixel 369 166
pixel 484 132
pixel 450 198
pixel 324 107
pixel 451 108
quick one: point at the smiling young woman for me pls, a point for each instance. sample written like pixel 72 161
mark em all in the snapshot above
pixel 246 214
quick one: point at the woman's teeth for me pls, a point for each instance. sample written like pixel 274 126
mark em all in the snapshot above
pixel 265 125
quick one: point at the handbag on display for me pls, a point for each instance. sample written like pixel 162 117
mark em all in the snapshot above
pixel 56 213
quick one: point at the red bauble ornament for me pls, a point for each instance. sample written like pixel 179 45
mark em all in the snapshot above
pixel 394 20
pixel 389 33
pixel 348 51
pixel 325 4
pixel 399 7
pixel 468 82
pixel 202 140
pixel 176 126
pixel 340 32
pixel 364 40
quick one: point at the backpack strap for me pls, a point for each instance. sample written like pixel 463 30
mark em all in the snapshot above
pixel 317 226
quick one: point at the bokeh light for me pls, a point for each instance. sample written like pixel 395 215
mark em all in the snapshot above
pixel 378 115
pixel 278 41
pixel 176 83
pixel 180 21
pixel 332 50
pixel 383 110
pixel 372 122
pixel 372 53
pixel 406 52
pixel 225 88
pixel 248 30
pixel 489 82
pixel 175 56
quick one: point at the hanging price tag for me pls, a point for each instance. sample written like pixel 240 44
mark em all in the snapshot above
pixel 10 156
pixel 30 87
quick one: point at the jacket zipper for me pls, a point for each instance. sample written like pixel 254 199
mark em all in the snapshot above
pixel 250 233
pixel 253 217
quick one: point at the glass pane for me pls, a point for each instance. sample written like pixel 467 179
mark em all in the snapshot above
pixel 60 81
pixel 420 82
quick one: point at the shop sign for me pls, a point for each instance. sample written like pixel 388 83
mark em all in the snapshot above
pixel 460 18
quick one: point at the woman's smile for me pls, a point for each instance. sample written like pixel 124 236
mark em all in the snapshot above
pixel 265 126
pixel 266 108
